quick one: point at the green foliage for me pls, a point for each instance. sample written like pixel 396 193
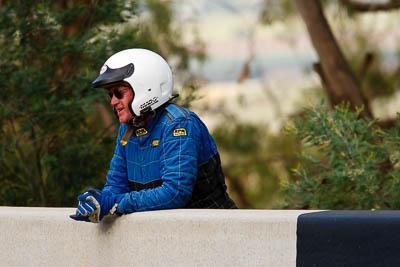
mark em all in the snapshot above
pixel 47 149
pixel 54 143
pixel 255 161
pixel 348 163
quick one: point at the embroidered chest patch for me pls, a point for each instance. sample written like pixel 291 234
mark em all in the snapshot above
pixel 180 132
pixel 141 132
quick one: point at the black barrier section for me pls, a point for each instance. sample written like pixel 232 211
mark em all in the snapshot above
pixel 348 238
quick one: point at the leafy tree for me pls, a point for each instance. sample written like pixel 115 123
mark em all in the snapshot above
pixel 348 162
pixel 54 142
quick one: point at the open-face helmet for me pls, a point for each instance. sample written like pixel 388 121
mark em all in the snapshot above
pixel 146 72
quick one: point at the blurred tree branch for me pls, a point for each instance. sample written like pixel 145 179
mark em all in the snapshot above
pixel 336 74
pixel 368 7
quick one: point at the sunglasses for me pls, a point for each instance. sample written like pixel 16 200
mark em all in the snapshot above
pixel 115 92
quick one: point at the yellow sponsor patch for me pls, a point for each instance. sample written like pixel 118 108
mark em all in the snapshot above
pixel 155 142
pixel 180 132
pixel 141 131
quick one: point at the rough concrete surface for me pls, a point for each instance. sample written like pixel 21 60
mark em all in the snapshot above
pixel 48 237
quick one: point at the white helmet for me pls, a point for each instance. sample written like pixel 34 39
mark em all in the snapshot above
pixel 147 73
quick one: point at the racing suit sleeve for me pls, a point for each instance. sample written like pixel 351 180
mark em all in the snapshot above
pixel 117 177
pixel 178 170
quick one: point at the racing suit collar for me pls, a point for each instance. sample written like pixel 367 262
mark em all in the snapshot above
pixel 150 123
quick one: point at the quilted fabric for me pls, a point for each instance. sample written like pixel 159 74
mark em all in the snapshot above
pixel 158 166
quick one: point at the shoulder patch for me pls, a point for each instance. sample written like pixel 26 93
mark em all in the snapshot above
pixel 140 132
pixel 180 132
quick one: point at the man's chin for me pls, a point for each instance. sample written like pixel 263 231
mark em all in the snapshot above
pixel 124 119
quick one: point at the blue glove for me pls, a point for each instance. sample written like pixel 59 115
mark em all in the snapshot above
pixel 95 204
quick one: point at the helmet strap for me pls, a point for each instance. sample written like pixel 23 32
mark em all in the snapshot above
pixel 139 121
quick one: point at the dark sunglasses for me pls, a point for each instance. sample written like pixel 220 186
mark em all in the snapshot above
pixel 115 92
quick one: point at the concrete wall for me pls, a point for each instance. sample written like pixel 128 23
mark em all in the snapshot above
pixel 48 237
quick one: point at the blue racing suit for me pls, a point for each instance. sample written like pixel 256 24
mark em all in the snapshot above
pixel 172 162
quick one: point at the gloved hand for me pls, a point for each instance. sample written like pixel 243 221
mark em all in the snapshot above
pixel 95 204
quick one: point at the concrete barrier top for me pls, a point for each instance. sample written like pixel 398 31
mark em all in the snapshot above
pixel 183 237
pixel 47 236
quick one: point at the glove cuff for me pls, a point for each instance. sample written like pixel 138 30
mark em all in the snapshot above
pixel 120 207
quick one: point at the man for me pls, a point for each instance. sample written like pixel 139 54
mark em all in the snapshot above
pixel 165 157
